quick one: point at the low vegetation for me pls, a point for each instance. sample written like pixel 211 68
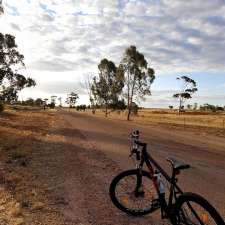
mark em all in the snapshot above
pixel 201 121
pixel 27 193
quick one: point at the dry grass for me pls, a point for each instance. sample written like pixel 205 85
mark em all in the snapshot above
pixel 213 123
pixel 164 116
pixel 186 119
pixel 23 136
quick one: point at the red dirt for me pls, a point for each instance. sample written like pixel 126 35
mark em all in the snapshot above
pixel 70 160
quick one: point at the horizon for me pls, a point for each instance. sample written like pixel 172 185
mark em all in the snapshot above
pixel 64 42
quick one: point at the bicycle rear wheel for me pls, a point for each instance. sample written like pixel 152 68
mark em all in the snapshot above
pixel 192 209
pixel 133 193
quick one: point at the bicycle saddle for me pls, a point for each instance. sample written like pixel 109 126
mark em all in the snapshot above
pixel 178 165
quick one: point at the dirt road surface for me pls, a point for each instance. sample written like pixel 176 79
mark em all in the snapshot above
pixel 56 166
pixel 100 148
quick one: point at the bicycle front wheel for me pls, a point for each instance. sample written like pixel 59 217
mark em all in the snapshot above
pixel 134 193
pixel 192 209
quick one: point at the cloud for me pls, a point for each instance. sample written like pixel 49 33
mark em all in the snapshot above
pixel 175 36
pixel 62 87
pixel 15 26
pixel 53 64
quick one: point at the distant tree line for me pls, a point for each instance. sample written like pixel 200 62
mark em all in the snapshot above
pixel 81 108
pixel 204 107
pixel 213 108
pixel 39 102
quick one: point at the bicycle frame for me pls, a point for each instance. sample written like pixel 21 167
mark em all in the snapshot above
pixel 166 207
pixel 170 208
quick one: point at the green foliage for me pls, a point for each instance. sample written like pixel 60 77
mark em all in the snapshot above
pixel 72 99
pixel 213 108
pixel 38 102
pixel 81 107
pixel 11 82
pixel 138 76
pixel 53 99
pixel 1 8
pixel 134 108
pixel 51 105
pixel 1 107
pixel 188 88
pixel 119 105
pixel 107 87
pixel 195 106
pixel 30 102
pixel 189 106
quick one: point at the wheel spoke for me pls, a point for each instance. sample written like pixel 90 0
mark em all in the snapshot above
pixel 135 195
pixel 193 214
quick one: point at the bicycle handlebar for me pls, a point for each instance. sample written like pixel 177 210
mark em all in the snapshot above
pixel 142 144
pixel 135 138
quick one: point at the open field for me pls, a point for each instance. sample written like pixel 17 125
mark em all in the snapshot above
pixel 203 122
pixel 204 119
pixel 56 166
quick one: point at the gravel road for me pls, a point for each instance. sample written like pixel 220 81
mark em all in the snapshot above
pixel 97 149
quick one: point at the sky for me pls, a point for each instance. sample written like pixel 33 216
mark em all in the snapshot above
pixel 64 40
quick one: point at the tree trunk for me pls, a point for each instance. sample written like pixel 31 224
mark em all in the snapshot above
pixel 128 115
pixel 180 106
pixel 131 99
pixel 128 94
pixel 106 110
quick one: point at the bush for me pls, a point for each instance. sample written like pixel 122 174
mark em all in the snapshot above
pixel 134 108
pixel 1 107
pixel 51 105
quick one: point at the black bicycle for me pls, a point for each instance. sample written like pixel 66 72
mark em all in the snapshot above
pixel 138 192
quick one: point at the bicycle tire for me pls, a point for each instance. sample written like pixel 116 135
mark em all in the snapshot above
pixel 135 212
pixel 195 200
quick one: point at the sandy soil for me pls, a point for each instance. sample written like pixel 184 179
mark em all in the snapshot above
pixel 56 167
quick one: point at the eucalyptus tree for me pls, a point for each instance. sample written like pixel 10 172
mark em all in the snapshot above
pixel 188 88
pixel 60 101
pixel 138 77
pixel 53 99
pixel 72 99
pixel 1 8
pixel 107 87
pixel 87 85
pixel 11 61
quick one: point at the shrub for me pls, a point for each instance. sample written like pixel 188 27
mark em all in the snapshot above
pixel 134 108
pixel 1 107
pixel 51 105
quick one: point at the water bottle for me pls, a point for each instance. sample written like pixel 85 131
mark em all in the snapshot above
pixel 160 183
